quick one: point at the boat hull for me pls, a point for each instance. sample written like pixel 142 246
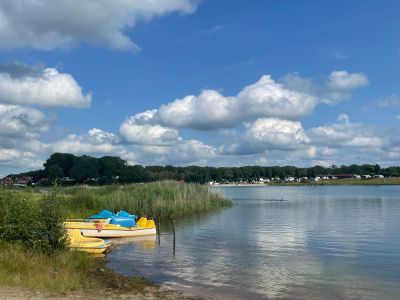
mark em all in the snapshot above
pixel 91 250
pixel 118 233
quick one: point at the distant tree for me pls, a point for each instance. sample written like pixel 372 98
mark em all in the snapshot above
pixel 110 169
pixel 131 174
pixel 377 169
pixel 110 166
pixel 54 172
pixel 63 160
pixel 85 167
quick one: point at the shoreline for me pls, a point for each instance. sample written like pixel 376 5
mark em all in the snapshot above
pixel 110 285
pixel 339 182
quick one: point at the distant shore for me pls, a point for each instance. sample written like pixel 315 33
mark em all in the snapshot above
pixel 351 181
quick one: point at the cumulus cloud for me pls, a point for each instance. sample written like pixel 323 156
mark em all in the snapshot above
pixel 347 134
pixel 8 154
pixel 48 24
pixel 341 84
pixel 142 129
pixel 21 84
pixel 343 80
pixel 21 122
pixel 20 155
pixel 267 98
pixel 95 142
pixel 292 98
pixel 185 152
pixel 338 86
pixel 269 134
pixel 203 112
pixel 211 110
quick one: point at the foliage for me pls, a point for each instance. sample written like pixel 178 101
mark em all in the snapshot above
pixel 32 223
pixel 109 169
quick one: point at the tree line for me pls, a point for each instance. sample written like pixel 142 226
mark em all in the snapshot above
pixel 65 167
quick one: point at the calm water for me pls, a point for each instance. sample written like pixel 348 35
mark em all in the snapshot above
pixel 331 242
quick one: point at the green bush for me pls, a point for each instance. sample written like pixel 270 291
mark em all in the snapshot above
pixel 32 223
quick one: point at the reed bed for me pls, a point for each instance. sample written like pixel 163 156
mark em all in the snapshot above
pixel 165 199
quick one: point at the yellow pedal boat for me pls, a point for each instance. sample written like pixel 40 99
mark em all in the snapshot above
pixel 103 229
pixel 90 245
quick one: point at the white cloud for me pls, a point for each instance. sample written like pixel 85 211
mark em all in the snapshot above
pixel 207 111
pixel 48 24
pixel 21 84
pixel 140 129
pixel 183 153
pixel 96 142
pixel 343 118
pixel 8 154
pixel 267 98
pixel 211 110
pixel 269 134
pixel 292 99
pixel 338 86
pixel 23 157
pixel 277 133
pixel 17 122
pixel 343 80
pixel 346 142
pixel 346 134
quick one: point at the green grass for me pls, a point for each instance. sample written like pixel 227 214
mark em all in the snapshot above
pixel 59 272
pixel 166 199
pixel 66 271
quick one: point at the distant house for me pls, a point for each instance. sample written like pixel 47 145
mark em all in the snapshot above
pixel 6 181
pixel 263 180
pixel 289 179
pixel 357 176
pixel 366 176
pixel 23 181
pixel 67 180
pixel 317 178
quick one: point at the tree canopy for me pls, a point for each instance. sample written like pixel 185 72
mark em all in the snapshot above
pixel 110 169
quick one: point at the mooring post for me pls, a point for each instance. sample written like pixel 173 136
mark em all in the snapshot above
pixel 173 232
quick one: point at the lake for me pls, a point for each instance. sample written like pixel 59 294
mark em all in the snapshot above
pixel 331 242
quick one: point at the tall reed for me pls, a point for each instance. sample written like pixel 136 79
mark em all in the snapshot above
pixel 166 199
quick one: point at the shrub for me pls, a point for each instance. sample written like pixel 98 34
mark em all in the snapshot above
pixel 32 223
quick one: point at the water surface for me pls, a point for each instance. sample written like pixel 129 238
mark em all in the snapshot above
pixel 332 242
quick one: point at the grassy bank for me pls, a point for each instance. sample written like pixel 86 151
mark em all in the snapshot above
pixel 350 181
pixel 70 272
pixel 166 199
pixel 61 271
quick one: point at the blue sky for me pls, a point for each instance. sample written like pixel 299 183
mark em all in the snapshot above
pixel 273 82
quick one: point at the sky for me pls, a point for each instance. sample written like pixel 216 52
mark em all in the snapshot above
pixel 189 82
